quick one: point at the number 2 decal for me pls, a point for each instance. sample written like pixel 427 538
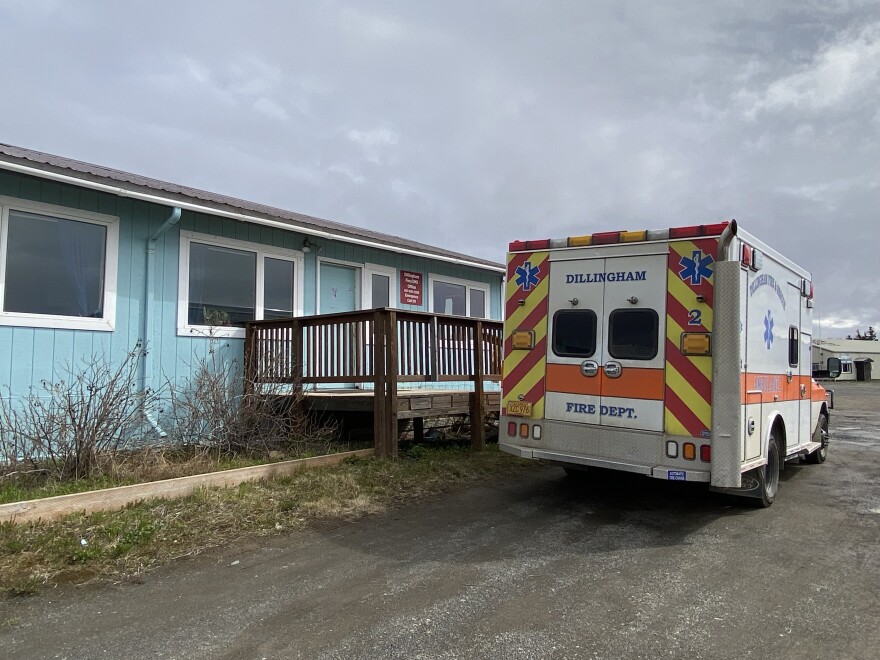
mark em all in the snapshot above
pixel 695 317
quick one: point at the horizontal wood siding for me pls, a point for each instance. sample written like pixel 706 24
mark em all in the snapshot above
pixel 31 355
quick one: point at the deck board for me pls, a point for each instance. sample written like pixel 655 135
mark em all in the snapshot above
pixel 410 403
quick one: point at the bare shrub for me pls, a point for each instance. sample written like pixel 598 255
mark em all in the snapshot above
pixel 66 428
pixel 220 410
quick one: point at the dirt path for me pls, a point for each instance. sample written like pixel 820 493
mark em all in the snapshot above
pixel 537 568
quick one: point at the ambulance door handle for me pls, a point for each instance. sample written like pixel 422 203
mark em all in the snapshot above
pixel 803 391
pixel 589 368
pixel 612 369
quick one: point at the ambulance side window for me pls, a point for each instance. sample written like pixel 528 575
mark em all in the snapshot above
pixel 574 333
pixel 633 334
pixel 792 346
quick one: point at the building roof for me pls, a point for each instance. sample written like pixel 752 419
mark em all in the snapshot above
pixel 125 183
pixel 848 345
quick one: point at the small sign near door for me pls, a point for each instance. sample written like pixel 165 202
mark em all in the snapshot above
pixel 410 288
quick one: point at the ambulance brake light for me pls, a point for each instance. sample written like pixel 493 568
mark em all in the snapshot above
pixel 511 429
pixel 706 453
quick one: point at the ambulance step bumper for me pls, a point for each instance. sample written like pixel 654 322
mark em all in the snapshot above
pixel 658 472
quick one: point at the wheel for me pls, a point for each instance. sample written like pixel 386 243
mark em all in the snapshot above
pixel 768 476
pixel 821 436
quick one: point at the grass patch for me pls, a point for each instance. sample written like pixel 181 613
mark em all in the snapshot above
pixel 123 544
pixel 137 467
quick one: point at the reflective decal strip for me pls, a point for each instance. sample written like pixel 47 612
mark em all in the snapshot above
pixel 633 383
pixel 688 399
pixel 523 377
pixel 775 388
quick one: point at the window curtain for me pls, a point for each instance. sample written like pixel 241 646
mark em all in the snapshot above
pixel 82 251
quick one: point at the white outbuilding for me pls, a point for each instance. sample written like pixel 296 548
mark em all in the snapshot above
pixel 856 357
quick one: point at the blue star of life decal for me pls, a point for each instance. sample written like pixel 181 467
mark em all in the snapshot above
pixel 527 276
pixel 768 329
pixel 695 268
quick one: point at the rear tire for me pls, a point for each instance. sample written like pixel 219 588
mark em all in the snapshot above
pixel 821 436
pixel 768 476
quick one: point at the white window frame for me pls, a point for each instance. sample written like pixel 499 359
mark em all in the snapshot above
pixel 468 284
pixel 367 284
pixel 111 262
pixel 184 329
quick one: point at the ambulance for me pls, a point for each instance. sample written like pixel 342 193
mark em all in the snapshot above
pixel 680 354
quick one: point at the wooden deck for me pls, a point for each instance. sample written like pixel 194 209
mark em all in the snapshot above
pixel 383 347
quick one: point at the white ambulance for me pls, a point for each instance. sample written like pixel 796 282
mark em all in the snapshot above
pixel 681 354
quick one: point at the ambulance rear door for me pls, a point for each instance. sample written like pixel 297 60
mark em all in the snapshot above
pixel 606 348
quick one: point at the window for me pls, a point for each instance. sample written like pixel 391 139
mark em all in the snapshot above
pixel 379 286
pixel 792 346
pixel 57 268
pixel 574 333
pixel 459 297
pixel 224 283
pixel 845 367
pixel 633 334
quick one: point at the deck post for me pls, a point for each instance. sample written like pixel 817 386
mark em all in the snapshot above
pixel 380 382
pixel 478 405
pixel 391 376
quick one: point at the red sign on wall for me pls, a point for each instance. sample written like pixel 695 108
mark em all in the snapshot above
pixel 410 288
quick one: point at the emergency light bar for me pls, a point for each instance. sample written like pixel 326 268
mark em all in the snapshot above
pixel 614 237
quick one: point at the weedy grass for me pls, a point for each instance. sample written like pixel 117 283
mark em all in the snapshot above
pixel 135 467
pixel 122 545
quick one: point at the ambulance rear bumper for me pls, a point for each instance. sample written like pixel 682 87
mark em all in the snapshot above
pixel 656 471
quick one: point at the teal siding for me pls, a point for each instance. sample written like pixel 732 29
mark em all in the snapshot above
pixel 30 355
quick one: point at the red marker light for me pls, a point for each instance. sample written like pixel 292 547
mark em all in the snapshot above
pixel 606 237
pixel 706 453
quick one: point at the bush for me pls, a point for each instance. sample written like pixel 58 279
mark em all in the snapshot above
pixel 219 411
pixel 64 427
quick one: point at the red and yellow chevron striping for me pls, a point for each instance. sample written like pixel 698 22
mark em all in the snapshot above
pixel 526 306
pixel 689 308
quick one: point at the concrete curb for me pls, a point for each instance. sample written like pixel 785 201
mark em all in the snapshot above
pixel 52 508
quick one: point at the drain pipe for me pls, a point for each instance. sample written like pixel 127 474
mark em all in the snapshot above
pixel 147 328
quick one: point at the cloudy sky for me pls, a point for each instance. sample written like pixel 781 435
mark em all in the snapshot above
pixel 469 124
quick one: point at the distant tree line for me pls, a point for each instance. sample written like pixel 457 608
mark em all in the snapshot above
pixel 870 335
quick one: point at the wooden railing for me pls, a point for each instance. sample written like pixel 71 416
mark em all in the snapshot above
pixel 384 347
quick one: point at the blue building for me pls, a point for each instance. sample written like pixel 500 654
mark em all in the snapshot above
pixel 94 261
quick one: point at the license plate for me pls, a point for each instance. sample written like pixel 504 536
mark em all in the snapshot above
pixel 676 475
pixel 519 408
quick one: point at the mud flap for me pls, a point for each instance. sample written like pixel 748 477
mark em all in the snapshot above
pixel 751 485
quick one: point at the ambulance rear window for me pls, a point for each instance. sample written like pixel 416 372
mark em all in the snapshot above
pixel 574 333
pixel 633 334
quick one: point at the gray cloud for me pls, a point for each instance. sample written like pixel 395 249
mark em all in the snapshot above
pixel 468 125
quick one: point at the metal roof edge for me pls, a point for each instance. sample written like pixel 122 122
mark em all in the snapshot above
pixel 224 206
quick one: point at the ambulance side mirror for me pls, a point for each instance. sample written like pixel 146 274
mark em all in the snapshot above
pixel 833 367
